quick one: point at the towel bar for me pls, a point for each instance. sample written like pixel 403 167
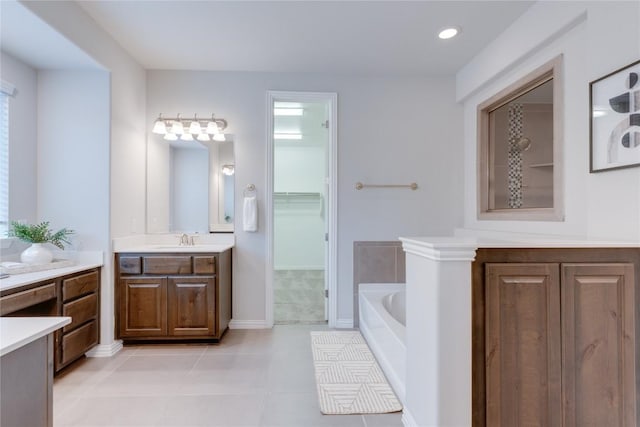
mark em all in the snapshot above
pixel 360 186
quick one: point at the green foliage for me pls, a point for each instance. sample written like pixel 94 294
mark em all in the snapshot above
pixel 39 233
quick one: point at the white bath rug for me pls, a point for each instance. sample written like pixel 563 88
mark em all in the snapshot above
pixel 348 378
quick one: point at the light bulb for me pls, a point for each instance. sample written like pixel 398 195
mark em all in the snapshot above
pixel 203 137
pixel 212 128
pixel 219 137
pixel 171 136
pixel 195 128
pixel 159 126
pixel 186 137
pixel 177 127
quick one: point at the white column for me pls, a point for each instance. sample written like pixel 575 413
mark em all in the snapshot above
pixel 438 335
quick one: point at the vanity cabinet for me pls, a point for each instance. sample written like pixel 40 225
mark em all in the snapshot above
pixel 172 296
pixel 554 337
pixel 75 295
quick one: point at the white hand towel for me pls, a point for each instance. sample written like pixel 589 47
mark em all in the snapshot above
pixel 250 214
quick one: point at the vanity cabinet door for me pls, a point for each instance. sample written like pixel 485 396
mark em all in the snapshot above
pixel 191 305
pixel 598 345
pixel 523 370
pixel 143 307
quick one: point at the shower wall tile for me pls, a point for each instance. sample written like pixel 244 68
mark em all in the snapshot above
pixel 376 262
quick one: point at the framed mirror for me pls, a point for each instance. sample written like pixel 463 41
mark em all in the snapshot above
pixel 519 148
pixel 190 186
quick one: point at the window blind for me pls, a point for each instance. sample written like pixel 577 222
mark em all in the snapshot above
pixel 4 164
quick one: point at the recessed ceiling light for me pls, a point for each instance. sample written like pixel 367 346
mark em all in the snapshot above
pixel 448 33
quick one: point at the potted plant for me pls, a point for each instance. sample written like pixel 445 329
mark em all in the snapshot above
pixel 38 235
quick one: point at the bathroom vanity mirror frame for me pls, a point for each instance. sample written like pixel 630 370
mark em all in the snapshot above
pixel 551 71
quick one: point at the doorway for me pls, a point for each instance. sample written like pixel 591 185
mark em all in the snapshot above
pixel 301 208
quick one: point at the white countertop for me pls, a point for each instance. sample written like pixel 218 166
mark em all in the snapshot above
pixel 516 242
pixel 177 248
pixel 159 243
pixel 16 332
pixel 92 260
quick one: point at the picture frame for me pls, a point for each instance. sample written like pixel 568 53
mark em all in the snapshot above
pixel 614 130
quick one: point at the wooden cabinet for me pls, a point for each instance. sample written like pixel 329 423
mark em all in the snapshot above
pixel 75 295
pixel 554 343
pixel 173 296
pixel 79 296
pixel 143 307
pixel 523 345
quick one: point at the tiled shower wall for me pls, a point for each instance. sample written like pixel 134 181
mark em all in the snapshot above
pixel 376 262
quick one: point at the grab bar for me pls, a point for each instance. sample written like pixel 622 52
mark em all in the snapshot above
pixel 360 186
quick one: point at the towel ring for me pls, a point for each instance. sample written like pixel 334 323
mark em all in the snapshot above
pixel 249 190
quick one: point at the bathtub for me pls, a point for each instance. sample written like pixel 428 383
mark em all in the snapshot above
pixel 382 323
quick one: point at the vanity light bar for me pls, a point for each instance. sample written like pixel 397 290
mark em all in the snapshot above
pixel 194 126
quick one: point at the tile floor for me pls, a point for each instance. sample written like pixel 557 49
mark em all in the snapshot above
pixel 252 378
pixel 298 296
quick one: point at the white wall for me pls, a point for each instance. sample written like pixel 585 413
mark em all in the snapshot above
pixel 391 130
pixel 73 143
pixel 128 128
pixel 595 38
pixel 124 142
pixel 22 138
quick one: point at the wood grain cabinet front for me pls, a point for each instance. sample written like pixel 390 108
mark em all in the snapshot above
pixel 143 308
pixel 76 295
pixel 176 297
pixel 559 342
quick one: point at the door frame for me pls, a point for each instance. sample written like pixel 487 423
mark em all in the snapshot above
pixel 332 203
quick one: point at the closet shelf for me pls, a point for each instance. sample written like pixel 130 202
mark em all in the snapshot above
pixel 294 194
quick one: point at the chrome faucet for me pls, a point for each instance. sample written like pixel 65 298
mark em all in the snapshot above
pixel 185 240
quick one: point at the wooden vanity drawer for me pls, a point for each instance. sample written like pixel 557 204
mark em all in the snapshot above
pixel 20 300
pixel 130 265
pixel 204 264
pixel 80 311
pixel 79 285
pixel 166 265
pixel 76 343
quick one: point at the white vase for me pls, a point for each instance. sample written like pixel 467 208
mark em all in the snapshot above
pixel 37 253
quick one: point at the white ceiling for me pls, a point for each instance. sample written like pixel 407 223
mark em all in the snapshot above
pixel 355 37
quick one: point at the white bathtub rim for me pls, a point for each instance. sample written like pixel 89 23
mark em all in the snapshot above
pixel 396 382
pixel 382 290
pixel 370 300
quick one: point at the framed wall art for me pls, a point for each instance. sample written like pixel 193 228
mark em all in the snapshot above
pixel 615 119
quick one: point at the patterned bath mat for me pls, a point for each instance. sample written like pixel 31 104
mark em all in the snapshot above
pixel 348 378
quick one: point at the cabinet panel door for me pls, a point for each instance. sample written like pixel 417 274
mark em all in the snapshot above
pixel 191 306
pixel 523 345
pixel 143 307
pixel 598 345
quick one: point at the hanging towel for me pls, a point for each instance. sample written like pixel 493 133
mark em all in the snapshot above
pixel 250 214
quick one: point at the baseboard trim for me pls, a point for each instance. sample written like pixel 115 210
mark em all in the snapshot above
pixel 344 323
pixel 105 350
pixel 248 324
pixel 407 418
